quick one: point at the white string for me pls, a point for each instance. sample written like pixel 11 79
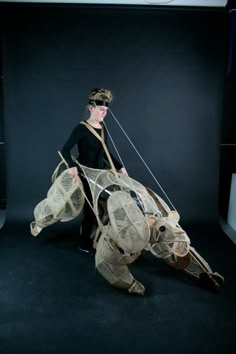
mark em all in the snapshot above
pixel 141 160
pixel 137 194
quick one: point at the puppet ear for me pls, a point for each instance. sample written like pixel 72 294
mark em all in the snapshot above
pixel 173 216
pixel 152 221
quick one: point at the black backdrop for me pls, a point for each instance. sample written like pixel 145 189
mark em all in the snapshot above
pixel 166 69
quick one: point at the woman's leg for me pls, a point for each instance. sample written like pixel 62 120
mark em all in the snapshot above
pixel 88 224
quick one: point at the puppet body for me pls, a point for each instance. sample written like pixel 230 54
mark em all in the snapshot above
pixel 131 219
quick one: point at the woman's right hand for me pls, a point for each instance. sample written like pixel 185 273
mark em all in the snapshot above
pixel 74 173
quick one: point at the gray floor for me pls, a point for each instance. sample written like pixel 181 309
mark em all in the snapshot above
pixel 53 301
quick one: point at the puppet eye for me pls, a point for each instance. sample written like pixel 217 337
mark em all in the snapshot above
pixel 162 228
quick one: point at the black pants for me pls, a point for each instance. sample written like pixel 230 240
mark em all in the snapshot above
pixel 89 221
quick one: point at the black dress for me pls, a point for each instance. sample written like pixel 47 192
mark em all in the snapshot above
pixel 90 154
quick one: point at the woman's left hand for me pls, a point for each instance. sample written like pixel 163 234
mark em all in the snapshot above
pixel 123 171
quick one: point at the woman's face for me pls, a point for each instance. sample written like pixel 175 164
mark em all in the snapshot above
pixel 99 113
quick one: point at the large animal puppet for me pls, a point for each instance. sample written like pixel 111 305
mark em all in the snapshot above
pixel 131 218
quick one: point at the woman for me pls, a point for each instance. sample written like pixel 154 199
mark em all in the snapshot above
pixel 91 154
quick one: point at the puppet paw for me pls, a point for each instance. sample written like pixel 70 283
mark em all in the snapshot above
pixel 34 229
pixel 136 288
pixel 211 280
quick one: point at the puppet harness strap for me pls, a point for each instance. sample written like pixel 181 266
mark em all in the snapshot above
pixel 101 138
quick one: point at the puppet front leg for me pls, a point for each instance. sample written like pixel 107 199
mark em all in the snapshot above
pixel 120 277
pixel 112 265
pixel 195 265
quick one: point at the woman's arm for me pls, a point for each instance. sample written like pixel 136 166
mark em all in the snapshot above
pixel 72 140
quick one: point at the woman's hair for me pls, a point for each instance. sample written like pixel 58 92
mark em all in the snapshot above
pixel 101 95
pixel 97 94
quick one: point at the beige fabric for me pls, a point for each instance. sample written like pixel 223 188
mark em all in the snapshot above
pixel 103 183
pixel 131 218
pixel 112 263
pixel 117 246
pixel 131 231
pixel 194 264
pixel 173 240
pixel 64 202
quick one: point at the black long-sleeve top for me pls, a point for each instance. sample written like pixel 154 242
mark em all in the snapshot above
pixel 90 149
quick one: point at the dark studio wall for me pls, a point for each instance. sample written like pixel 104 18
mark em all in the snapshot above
pixel 228 132
pixel 166 69
pixel 2 140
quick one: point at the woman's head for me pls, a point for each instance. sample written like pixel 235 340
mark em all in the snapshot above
pixel 100 95
pixel 99 100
